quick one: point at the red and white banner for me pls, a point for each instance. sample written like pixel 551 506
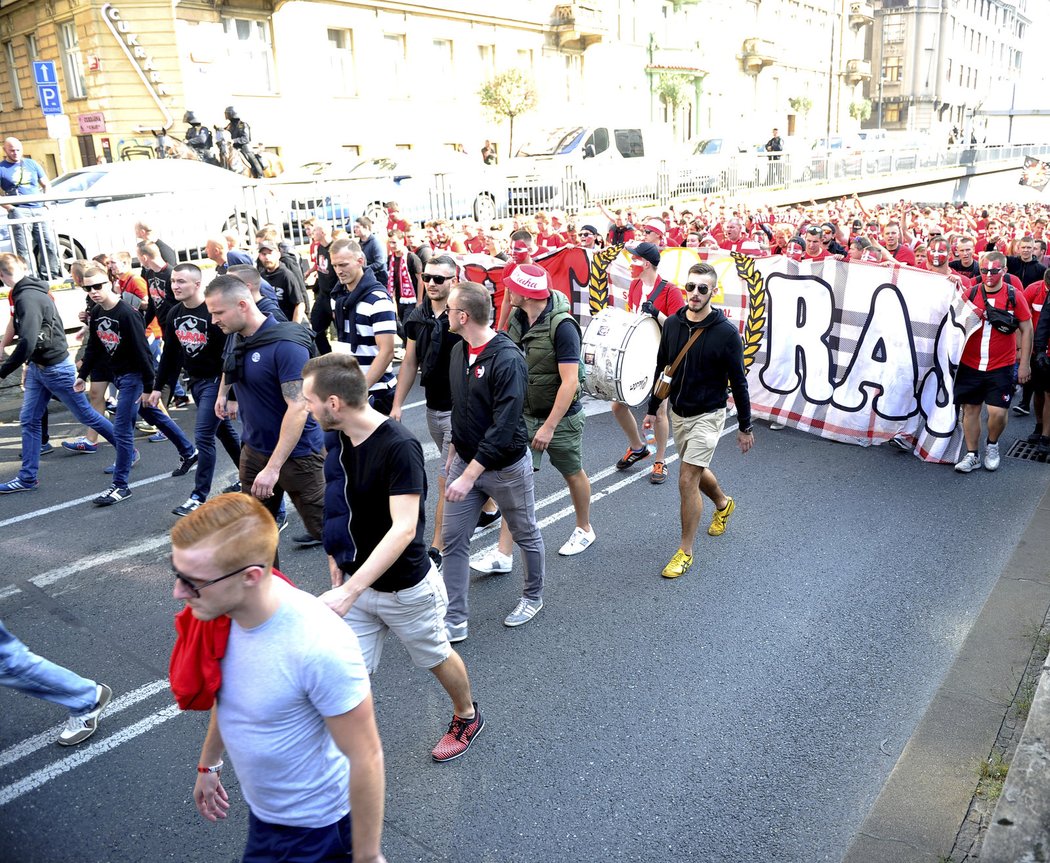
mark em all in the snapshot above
pixel 855 352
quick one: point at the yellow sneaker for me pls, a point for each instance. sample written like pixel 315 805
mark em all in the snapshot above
pixel 678 565
pixel 721 519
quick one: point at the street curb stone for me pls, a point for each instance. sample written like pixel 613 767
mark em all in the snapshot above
pixel 926 797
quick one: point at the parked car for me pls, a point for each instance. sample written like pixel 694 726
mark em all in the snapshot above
pixel 94 209
pixel 446 184
pixel 719 162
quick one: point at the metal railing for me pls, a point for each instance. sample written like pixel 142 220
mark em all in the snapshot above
pixel 84 224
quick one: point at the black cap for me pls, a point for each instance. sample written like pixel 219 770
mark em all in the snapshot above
pixel 646 251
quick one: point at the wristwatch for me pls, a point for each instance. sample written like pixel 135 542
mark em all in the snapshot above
pixel 748 430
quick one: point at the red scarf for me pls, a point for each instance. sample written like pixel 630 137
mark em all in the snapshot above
pixel 403 279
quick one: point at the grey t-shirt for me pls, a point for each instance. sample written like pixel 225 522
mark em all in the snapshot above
pixel 279 682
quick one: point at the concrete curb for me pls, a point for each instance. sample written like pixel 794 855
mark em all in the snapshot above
pixel 917 815
pixel 1020 826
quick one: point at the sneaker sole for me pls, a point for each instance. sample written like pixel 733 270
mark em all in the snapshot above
pixel 465 748
pixel 17 490
pixel 491 571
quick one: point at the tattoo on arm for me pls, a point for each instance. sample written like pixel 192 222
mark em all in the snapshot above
pixel 293 392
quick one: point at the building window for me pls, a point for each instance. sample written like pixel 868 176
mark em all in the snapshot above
pixel 341 61
pixel 250 55
pixel 893 28
pixel 12 73
pixel 396 64
pixel 891 113
pixel 487 61
pixel 72 63
pixel 442 53
pixel 892 67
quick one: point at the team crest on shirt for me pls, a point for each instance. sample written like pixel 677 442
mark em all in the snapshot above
pixel 256 356
pixel 190 335
pixel 479 372
pixel 109 337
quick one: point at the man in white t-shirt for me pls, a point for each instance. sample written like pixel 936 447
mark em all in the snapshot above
pixel 293 661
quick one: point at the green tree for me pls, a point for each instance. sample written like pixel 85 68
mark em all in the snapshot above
pixel 801 104
pixel 860 110
pixel 672 89
pixel 509 94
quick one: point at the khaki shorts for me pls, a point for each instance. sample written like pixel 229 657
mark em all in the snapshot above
pixel 566 447
pixel 695 438
pixel 439 424
pixel 416 616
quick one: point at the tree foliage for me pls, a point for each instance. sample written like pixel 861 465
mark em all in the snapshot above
pixel 509 94
pixel 801 104
pixel 860 110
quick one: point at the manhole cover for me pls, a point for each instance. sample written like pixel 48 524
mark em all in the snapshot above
pixel 1027 451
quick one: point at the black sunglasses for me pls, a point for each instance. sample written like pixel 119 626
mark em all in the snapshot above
pixel 94 285
pixel 196 587
pixel 988 271
pixel 437 280
pixel 702 287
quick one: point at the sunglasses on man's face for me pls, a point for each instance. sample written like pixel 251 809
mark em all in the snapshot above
pixel 586 234
pixel 437 280
pixel 991 271
pixel 701 287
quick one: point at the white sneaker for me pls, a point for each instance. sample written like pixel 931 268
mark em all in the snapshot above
pixel 991 456
pixel 579 541
pixel 970 462
pixel 79 728
pixel 492 562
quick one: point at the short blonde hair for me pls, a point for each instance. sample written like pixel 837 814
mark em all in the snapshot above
pixel 238 528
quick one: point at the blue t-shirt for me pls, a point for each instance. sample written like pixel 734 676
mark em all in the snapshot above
pixel 261 402
pixel 21 178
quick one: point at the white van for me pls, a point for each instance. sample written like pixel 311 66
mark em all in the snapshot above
pixel 569 166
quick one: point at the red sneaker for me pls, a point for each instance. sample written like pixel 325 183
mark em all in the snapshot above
pixel 461 733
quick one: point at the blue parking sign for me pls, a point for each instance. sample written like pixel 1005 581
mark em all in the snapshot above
pixel 50 98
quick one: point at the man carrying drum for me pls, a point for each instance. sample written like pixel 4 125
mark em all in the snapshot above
pixel 649 294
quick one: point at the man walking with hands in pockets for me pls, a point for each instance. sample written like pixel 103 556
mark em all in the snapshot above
pixel 709 352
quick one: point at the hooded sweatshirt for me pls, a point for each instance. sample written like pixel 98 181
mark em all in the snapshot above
pixel 715 359
pixel 41 336
pixel 488 399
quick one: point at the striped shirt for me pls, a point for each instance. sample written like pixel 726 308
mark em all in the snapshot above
pixel 374 315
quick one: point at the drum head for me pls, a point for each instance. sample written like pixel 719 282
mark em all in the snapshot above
pixel 619 355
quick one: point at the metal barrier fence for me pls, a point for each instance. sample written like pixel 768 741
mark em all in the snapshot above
pixel 51 231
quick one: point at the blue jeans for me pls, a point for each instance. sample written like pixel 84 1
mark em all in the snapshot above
pixel 156 347
pixel 23 670
pixel 47 264
pixel 41 383
pixel 208 428
pixel 129 389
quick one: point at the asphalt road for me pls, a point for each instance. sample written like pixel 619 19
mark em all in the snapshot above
pixel 748 711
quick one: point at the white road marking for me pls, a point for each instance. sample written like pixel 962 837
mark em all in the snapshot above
pixel 26 516
pixel 83 756
pixel 97 560
pixel 46 738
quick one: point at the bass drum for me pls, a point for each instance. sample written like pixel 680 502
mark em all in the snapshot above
pixel 619 356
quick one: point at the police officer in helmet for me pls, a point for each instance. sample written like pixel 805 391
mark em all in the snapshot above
pixel 241 136
pixel 199 138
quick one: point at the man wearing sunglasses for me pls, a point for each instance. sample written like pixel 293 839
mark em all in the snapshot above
pixel 986 368
pixel 42 346
pixel 289 660
pixel 698 405
pixel 589 237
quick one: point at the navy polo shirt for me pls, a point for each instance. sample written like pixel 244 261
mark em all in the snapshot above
pixel 261 402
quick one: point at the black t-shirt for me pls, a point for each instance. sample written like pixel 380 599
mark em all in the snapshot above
pixel 161 296
pixel 437 388
pixel 326 278
pixel 285 285
pixel 973 271
pixel 388 463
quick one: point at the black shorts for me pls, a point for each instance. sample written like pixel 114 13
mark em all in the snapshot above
pixel 994 388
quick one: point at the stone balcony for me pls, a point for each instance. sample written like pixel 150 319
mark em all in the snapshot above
pixel 756 54
pixel 576 26
pixel 861 15
pixel 857 71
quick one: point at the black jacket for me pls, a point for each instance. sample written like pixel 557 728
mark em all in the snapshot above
pixel 488 398
pixel 41 336
pixel 715 359
pixel 1029 272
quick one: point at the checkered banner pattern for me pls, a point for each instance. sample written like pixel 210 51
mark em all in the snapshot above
pixel 857 353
